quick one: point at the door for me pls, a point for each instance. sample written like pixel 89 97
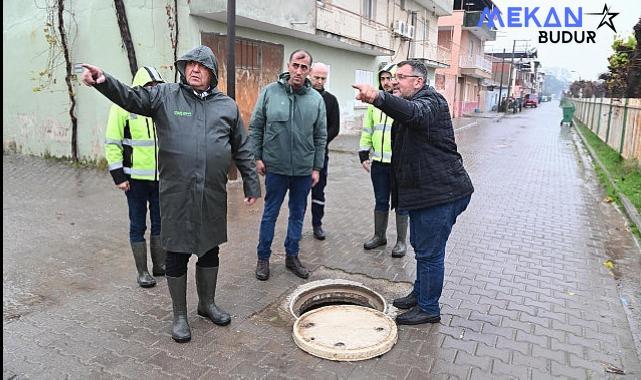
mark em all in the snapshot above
pixel 258 63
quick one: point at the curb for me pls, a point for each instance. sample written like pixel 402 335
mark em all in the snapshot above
pixel 628 208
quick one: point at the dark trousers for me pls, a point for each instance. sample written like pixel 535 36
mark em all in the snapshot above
pixel 140 194
pixel 176 262
pixel 318 197
pixel 430 229
pixel 381 174
pixel 276 186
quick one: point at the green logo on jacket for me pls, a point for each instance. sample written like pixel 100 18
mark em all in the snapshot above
pixel 182 113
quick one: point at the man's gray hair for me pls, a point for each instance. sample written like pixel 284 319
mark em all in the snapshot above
pixel 418 68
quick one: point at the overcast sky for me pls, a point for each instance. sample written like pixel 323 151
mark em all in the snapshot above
pixel 588 60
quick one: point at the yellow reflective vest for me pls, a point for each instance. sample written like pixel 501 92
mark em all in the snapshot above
pixel 376 137
pixel 131 146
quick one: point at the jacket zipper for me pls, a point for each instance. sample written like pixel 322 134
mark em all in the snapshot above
pixel 155 150
pixel 383 141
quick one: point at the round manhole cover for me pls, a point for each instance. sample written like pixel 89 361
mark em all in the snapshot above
pixel 345 332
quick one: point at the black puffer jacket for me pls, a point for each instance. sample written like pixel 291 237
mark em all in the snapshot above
pixel 428 170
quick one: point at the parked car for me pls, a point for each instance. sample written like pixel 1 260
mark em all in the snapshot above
pixel 531 101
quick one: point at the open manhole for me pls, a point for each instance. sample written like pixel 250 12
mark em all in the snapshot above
pixel 341 320
pixel 317 294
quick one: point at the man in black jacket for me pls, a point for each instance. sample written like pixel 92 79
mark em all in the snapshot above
pixel 318 76
pixel 428 179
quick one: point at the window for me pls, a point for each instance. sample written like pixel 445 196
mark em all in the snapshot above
pixel 426 31
pixel 363 76
pixel 368 9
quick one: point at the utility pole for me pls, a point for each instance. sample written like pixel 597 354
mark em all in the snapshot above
pixel 509 81
pixel 232 173
pixel 501 85
pixel 231 49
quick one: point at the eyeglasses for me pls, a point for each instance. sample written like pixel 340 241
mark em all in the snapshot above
pixel 401 76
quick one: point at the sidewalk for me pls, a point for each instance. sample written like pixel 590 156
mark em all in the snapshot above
pixel 526 296
pixel 348 143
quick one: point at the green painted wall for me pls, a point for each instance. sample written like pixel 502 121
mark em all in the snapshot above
pixel 36 114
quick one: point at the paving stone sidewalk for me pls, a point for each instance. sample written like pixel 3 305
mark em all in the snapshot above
pixel 526 293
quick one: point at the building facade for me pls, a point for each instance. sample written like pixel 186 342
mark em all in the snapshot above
pixel 462 82
pixel 354 38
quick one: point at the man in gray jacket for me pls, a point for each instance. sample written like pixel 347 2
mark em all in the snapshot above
pixel 199 132
pixel 289 135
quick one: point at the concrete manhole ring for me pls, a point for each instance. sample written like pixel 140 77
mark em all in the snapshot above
pixel 330 292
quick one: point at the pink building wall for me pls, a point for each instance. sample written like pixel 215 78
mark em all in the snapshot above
pixel 454 86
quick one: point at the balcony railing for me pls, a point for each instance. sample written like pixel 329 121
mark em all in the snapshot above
pixel 343 22
pixel 471 20
pixel 444 55
pixel 476 61
pixel 434 55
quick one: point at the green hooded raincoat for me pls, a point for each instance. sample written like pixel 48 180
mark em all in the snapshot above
pixel 197 138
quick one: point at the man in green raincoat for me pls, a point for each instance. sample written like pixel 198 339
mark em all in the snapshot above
pixel 199 132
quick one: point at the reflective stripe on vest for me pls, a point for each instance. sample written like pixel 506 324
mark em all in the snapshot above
pixel 386 155
pixel 140 172
pixel 115 165
pixel 132 142
pixel 113 142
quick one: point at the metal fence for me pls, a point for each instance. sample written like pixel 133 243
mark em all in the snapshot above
pixel 617 122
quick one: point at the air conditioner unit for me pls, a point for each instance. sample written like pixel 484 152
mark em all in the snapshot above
pixel 410 32
pixel 399 27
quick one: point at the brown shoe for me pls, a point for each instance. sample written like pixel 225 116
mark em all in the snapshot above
pixel 262 270
pixel 293 264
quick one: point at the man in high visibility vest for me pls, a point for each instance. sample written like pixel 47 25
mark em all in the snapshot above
pixel 131 149
pixel 375 153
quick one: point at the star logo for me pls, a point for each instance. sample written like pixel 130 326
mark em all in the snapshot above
pixel 607 17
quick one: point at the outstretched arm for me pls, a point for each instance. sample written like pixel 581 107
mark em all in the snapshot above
pixel 139 100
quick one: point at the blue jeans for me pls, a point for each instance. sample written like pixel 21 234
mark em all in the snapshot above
pixel 429 230
pixel 382 181
pixel 276 186
pixel 140 194
pixel 318 196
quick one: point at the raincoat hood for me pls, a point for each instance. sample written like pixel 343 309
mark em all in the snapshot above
pixel 203 55
pixel 145 75
pixel 389 68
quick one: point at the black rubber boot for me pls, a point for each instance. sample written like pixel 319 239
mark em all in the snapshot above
pixel 158 256
pixel 401 235
pixel 180 330
pixel 206 279
pixel 139 250
pixel 380 230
